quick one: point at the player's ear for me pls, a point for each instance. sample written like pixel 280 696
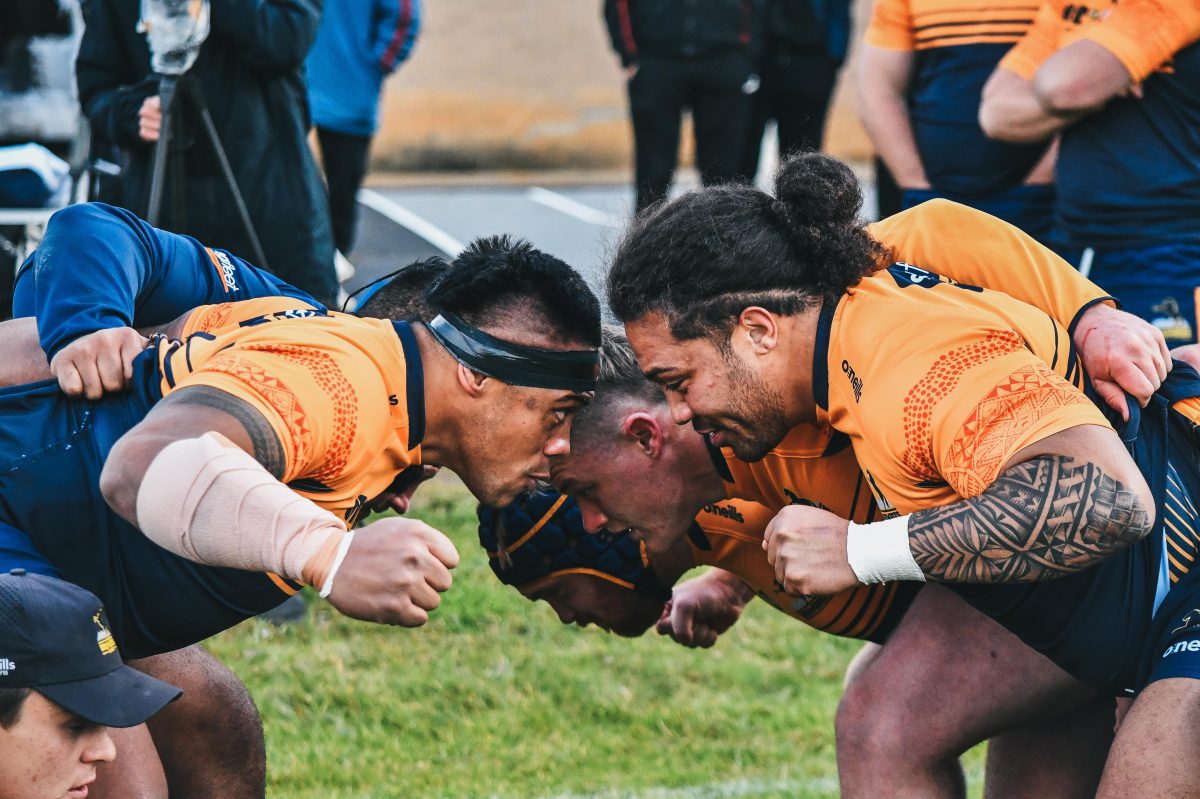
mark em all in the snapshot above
pixel 644 429
pixel 470 381
pixel 758 329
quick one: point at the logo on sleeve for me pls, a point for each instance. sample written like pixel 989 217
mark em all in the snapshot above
pixel 228 270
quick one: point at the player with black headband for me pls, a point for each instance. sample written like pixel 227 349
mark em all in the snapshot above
pixel 488 288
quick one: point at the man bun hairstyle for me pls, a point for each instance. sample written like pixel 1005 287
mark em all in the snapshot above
pixel 498 281
pixel 702 258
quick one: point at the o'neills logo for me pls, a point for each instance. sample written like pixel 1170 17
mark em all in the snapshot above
pixel 855 383
pixel 227 271
pixel 725 512
pixel 1183 646
pixel 6 666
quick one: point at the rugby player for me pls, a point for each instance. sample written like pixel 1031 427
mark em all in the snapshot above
pixel 531 283
pixel 1120 85
pixel 631 467
pixel 924 64
pixel 1012 481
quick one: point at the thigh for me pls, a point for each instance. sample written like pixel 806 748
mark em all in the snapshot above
pixel 211 739
pixel 949 678
pixel 1062 756
pixel 136 773
pixel 1158 745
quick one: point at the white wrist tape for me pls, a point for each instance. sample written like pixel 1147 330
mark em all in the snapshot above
pixel 208 501
pixel 343 548
pixel 879 552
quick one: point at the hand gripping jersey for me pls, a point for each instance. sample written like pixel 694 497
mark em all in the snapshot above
pixel 729 535
pixel 815 465
pixel 344 395
pixel 961 380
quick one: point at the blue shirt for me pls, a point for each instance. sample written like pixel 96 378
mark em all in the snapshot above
pixel 358 44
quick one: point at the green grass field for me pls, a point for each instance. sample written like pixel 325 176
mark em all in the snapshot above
pixel 494 698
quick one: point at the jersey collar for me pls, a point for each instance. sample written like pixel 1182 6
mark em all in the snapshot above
pixel 820 369
pixel 414 389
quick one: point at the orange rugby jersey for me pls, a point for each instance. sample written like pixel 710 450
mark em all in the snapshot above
pixel 1143 35
pixel 814 465
pixel 729 535
pixel 344 395
pixel 938 385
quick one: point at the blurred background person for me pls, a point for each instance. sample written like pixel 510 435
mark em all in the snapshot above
pixel 359 43
pixel 1122 85
pixel 804 47
pixel 250 72
pixel 696 54
pixel 924 63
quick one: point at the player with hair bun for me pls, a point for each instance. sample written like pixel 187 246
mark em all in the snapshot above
pixel 992 469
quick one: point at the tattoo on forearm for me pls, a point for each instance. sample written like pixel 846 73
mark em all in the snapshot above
pixel 267 449
pixel 1041 519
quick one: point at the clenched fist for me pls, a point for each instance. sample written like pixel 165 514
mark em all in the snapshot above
pixel 98 363
pixel 807 547
pixel 394 572
pixel 703 608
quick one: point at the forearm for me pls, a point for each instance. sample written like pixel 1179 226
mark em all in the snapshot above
pixel 738 591
pixel 1012 111
pixel 21 356
pixel 884 114
pixel 1044 518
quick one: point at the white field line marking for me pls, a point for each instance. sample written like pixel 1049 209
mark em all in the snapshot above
pixel 564 204
pixel 718 790
pixel 407 219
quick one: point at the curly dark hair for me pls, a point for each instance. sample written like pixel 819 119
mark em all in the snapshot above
pixel 703 257
pixel 403 297
pixel 500 280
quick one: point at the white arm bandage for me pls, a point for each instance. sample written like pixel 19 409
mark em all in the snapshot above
pixel 208 501
pixel 879 552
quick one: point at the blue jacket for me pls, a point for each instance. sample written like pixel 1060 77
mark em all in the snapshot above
pixel 358 44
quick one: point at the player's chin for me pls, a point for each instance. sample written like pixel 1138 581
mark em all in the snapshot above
pixel 748 449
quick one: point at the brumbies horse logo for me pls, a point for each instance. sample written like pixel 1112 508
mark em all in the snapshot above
pixel 1192 619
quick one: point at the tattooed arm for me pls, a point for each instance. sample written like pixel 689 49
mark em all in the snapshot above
pixel 1059 505
pixel 1047 515
pixel 189 412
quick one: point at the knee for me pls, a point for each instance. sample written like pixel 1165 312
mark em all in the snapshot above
pixel 876 722
pixel 866 724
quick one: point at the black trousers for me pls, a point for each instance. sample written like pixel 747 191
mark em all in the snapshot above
pixel 345 160
pixel 715 89
pixel 796 88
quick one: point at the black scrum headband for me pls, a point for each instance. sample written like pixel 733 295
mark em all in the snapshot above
pixel 569 370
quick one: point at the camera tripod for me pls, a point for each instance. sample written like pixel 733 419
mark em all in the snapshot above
pixel 172 88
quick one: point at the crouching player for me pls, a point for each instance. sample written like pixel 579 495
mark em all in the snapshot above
pixel 960 415
pixel 320 414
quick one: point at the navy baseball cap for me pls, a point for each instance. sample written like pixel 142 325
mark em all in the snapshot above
pixel 54 637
